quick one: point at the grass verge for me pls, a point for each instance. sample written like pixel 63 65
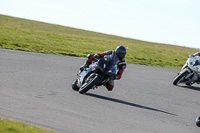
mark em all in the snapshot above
pixel 10 126
pixel 27 35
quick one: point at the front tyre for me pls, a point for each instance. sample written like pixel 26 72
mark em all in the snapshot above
pixel 180 76
pixel 93 80
pixel 198 121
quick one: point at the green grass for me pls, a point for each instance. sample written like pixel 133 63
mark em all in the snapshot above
pixel 28 35
pixel 10 126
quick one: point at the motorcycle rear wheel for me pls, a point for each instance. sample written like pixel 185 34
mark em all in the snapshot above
pixel 87 86
pixel 180 76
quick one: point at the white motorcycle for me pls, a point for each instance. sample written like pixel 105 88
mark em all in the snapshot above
pixel 190 72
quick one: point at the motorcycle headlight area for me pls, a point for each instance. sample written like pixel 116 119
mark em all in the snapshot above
pixel 197 62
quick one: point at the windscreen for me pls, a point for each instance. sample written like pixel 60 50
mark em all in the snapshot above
pixel 197 62
pixel 111 61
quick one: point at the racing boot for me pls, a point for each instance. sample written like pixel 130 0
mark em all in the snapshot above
pixel 190 83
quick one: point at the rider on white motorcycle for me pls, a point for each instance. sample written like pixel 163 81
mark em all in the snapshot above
pixel 190 72
pixel 197 54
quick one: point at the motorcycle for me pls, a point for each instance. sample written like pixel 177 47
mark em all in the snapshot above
pixel 97 74
pixel 190 72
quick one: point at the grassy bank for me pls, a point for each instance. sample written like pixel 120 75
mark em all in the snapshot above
pixel 10 126
pixel 27 35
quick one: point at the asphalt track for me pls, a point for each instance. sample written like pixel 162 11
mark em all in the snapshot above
pixel 36 88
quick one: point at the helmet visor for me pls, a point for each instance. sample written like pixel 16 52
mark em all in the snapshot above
pixel 120 55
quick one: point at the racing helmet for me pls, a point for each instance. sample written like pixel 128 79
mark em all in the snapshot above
pixel 120 51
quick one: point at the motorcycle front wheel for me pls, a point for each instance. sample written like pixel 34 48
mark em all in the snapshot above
pixel 180 76
pixel 94 79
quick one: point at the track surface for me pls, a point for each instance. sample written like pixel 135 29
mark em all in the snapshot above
pixel 36 88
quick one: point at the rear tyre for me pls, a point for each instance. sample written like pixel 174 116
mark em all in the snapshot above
pixel 88 85
pixel 180 76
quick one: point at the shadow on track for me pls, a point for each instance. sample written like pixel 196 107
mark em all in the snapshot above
pixel 127 103
pixel 192 87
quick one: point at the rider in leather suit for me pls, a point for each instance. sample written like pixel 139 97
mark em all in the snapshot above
pixel 197 54
pixel 120 51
